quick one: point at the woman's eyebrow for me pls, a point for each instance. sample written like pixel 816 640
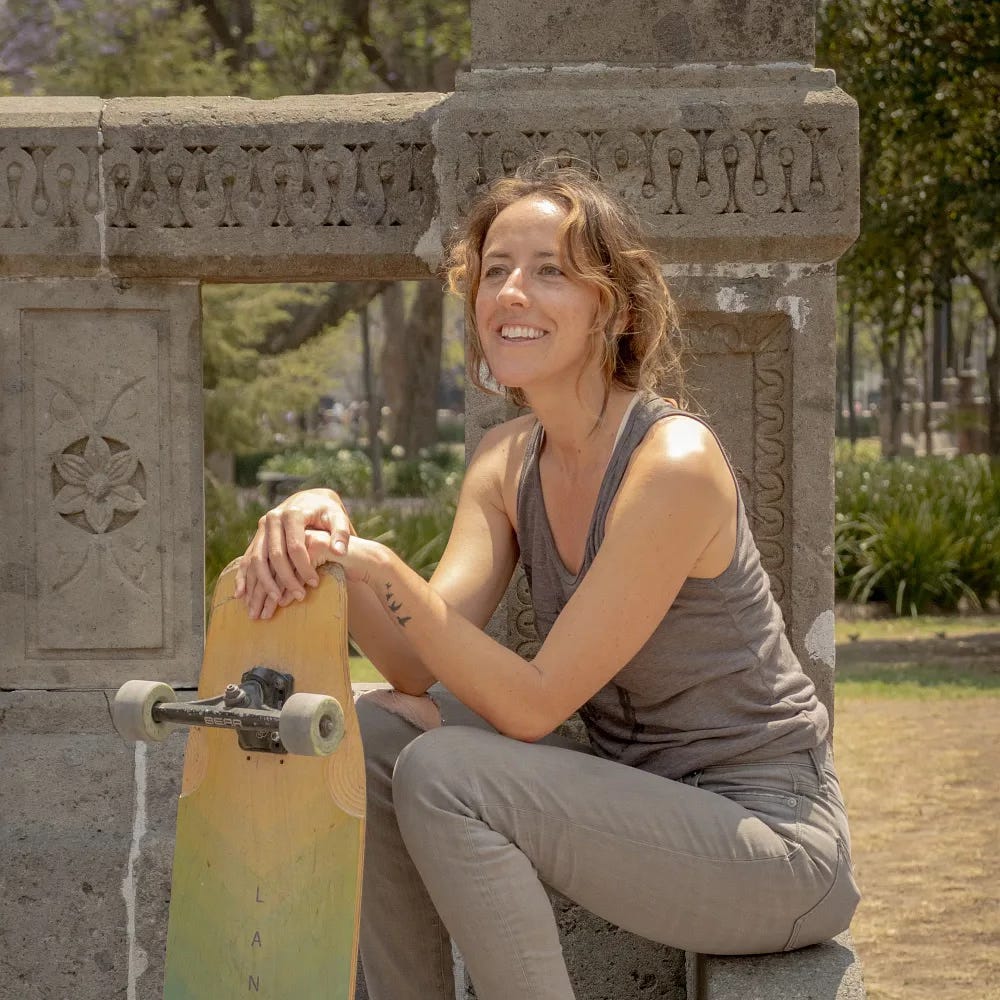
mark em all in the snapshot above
pixel 505 255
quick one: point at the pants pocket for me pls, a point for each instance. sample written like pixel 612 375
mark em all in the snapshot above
pixel 832 914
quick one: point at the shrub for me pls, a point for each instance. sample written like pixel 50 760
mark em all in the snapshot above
pixel 919 533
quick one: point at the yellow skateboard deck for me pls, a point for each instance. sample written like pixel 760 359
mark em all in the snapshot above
pixel 268 857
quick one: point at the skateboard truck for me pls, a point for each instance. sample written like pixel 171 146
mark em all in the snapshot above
pixel 262 709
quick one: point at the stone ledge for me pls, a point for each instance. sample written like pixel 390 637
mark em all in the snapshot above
pixel 827 971
pixel 349 188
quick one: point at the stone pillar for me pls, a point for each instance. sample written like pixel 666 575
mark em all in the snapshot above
pixel 102 556
pixel 741 159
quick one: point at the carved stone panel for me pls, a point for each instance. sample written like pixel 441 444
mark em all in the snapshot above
pixel 93 437
pixel 741 374
pixel 103 404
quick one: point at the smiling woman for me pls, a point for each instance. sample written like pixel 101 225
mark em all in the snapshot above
pixel 706 812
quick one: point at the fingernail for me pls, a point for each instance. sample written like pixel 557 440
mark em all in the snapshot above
pixel 339 547
pixel 313 581
pixel 299 595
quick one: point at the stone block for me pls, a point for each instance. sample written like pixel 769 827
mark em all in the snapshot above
pixel 295 188
pixel 86 842
pixel 715 170
pixel 668 33
pixel 102 560
pixel 827 971
pixel 49 185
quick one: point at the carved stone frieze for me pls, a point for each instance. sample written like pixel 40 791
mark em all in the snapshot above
pixel 292 186
pixel 757 170
pixel 48 186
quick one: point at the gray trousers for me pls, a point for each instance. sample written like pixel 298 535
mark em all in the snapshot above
pixel 464 825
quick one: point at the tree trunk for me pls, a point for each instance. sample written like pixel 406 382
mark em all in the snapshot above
pixel 852 420
pixel 374 407
pixel 993 392
pixel 411 366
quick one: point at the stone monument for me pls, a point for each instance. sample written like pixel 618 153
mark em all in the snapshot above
pixel 706 115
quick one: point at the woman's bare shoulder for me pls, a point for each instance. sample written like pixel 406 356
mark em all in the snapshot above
pixel 682 448
pixel 505 440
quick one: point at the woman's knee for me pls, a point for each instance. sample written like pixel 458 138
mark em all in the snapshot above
pixel 383 735
pixel 438 770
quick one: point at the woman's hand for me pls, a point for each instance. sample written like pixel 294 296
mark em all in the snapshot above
pixel 359 562
pixel 276 567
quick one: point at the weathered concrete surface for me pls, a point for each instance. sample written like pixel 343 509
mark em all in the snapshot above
pixel 828 971
pixel 86 842
pixel 102 553
pixel 670 32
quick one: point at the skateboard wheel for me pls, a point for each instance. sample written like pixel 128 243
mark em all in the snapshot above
pixel 132 710
pixel 311 725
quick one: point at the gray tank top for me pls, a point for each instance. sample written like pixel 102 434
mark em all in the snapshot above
pixel 717 682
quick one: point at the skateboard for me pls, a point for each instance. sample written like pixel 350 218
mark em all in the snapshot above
pixel 266 891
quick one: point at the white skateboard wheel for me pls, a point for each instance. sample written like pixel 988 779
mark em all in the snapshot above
pixel 311 725
pixel 132 710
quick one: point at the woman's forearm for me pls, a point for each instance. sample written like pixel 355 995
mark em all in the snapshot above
pixel 390 650
pixel 493 681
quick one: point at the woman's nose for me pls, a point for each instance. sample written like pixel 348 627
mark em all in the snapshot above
pixel 513 289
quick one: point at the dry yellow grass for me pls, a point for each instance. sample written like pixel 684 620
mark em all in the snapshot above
pixel 922 782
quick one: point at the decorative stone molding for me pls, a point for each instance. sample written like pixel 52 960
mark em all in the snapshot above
pixel 334 187
pixel 766 340
pixel 667 171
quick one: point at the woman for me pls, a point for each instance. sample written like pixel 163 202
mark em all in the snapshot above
pixel 706 814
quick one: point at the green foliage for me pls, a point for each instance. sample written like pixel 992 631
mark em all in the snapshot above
pixel 247 395
pixel 229 526
pixel 918 534
pixel 348 470
pixel 418 538
pixel 114 48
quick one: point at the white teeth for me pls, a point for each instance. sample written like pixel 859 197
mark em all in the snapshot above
pixel 521 333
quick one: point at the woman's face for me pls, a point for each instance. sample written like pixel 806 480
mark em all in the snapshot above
pixel 535 322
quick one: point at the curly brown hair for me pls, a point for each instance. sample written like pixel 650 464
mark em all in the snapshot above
pixel 604 246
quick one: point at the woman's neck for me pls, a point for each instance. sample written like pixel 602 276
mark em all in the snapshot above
pixel 577 434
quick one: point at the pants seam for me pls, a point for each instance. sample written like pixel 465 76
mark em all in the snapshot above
pixel 641 843
pixel 484 881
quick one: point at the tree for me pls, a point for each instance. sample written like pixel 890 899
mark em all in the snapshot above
pixel 926 77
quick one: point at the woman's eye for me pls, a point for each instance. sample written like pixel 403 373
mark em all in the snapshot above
pixel 494 271
pixel 550 271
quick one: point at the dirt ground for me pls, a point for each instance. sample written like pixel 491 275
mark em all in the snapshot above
pixel 921 776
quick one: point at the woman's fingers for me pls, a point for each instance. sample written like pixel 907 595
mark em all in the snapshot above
pixel 280 527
